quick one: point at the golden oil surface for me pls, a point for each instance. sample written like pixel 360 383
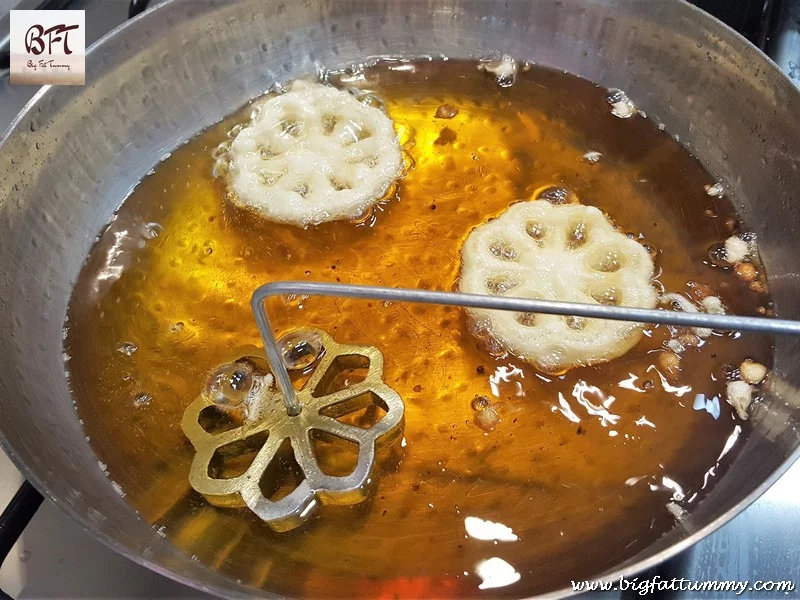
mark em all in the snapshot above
pixel 173 274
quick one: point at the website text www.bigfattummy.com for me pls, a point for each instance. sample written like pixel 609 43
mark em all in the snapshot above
pixel 656 584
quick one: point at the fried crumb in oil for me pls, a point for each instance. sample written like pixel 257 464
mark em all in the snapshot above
pixel 670 363
pixel 446 136
pixel 487 419
pixel 689 339
pixel 746 271
pixel 752 372
pixel 446 111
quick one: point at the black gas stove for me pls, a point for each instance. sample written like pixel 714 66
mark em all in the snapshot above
pixel 760 544
pixel 751 18
pixel 772 25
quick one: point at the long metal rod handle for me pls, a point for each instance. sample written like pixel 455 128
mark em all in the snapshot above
pixel 550 307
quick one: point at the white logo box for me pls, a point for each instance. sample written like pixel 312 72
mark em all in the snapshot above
pixel 48 47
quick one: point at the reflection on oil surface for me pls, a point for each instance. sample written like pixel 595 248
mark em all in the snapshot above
pixel 509 501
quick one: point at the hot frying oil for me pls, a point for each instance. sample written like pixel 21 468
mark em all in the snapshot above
pixel 585 469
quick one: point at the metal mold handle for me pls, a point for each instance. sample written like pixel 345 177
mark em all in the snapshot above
pixel 367 292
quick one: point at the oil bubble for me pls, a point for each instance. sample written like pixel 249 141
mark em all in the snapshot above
pixel 593 157
pixel 128 348
pixel 152 230
pixel 621 106
pixel 229 385
pixel 556 195
pixel 142 399
pixel 301 349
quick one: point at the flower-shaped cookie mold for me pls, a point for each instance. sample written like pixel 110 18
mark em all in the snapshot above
pixel 568 252
pixel 313 154
pixel 331 393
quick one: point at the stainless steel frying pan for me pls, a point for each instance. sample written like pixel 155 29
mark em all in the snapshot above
pixel 75 152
